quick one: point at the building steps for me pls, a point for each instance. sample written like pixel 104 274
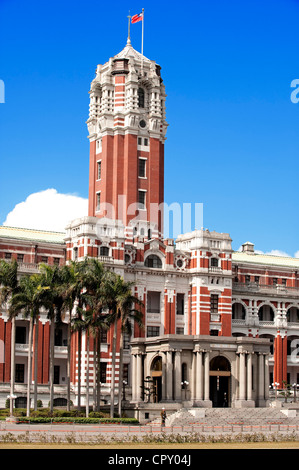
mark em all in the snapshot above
pixel 229 416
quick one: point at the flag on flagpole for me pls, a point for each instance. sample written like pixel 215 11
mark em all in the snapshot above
pixel 137 18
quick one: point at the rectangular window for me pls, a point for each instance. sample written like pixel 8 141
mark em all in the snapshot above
pixel 98 202
pixel 44 259
pixel 274 281
pixel 214 303
pixel 58 337
pixel 103 373
pixel 142 168
pixel 56 261
pixel 127 340
pixel 7 255
pixel 180 304
pixel 153 302
pixel 257 279
pixel 139 141
pixel 284 282
pixel 126 373
pixel 20 257
pixel 247 279
pixel 103 335
pixel 141 199
pixel 145 142
pixel 99 170
pixel 153 331
pixel 20 334
pixel 56 374
pixel 179 331
pixel 20 373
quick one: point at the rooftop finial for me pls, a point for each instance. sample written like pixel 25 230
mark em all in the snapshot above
pixel 129 37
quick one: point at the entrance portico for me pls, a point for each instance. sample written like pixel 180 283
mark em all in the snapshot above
pixel 204 371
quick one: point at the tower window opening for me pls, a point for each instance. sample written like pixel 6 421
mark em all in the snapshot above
pixel 214 303
pixel 98 201
pixel 142 168
pixel 99 170
pixel 141 200
pixel 141 97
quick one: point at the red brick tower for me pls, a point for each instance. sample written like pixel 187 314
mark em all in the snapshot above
pixel 127 130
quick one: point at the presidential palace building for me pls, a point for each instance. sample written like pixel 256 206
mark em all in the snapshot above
pixel 220 326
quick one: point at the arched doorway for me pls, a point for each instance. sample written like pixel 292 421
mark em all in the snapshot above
pixel 156 373
pixel 220 374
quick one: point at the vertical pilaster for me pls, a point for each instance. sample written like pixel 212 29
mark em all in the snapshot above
pixel 177 375
pixel 169 376
pixel 199 376
pixel 207 376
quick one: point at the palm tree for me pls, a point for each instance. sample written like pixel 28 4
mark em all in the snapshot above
pixel 69 292
pixel 119 298
pixel 128 316
pixel 94 316
pixel 9 286
pixel 51 279
pixel 72 288
pixel 30 298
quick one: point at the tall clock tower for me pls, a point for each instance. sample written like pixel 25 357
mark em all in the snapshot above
pixel 127 130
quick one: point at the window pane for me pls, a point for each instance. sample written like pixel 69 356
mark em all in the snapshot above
pixel 142 167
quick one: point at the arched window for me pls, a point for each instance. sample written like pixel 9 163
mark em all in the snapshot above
pixel 266 313
pixel 104 251
pixel 214 262
pixel 238 311
pixel 153 261
pixel 141 97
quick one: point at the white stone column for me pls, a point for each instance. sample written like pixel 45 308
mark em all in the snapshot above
pixel 177 375
pixel 261 377
pixel 169 376
pixel 207 376
pixel 242 376
pixel 199 376
pixel 267 378
pixel 139 377
pixel 249 376
pixel 134 363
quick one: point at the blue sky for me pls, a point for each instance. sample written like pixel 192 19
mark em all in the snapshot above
pixel 233 136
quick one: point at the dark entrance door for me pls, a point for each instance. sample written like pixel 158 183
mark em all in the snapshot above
pixel 157 386
pixel 219 391
pixel 156 373
pixel 220 381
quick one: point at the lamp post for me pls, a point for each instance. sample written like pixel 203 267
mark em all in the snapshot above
pixel 184 386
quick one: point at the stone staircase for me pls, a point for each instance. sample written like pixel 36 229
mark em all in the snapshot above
pixel 231 416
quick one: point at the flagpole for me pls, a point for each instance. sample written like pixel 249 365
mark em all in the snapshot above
pixel 142 31
pixel 142 41
pixel 129 34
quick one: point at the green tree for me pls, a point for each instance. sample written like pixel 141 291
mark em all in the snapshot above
pixel 9 285
pixel 120 302
pixel 29 299
pixel 52 279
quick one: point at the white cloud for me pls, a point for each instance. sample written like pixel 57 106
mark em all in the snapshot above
pixel 296 255
pixel 47 210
